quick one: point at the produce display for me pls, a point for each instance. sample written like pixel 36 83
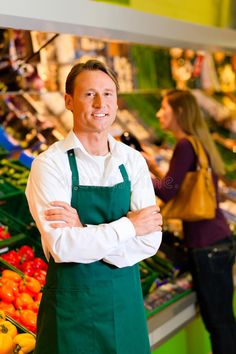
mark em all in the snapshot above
pixel 25 260
pixel 31 121
pixel 11 340
pixel 20 296
pixel 11 229
pixel 4 233
pixel 14 173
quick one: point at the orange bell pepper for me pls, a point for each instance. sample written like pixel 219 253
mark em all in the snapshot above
pixel 7 273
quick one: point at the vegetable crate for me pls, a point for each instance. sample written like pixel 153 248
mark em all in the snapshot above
pixel 13 173
pixel 21 289
pixel 19 323
pixel 18 206
pixel 148 277
pixel 11 229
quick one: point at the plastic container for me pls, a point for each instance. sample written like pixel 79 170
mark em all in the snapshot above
pixel 22 215
pixel 16 228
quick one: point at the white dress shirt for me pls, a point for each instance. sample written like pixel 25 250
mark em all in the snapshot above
pixel 115 242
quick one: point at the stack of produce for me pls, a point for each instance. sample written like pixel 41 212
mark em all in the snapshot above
pixel 25 260
pixel 12 342
pixel 20 297
pixel 14 173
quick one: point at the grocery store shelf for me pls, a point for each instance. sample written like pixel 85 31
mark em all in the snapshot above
pixel 96 19
pixel 167 322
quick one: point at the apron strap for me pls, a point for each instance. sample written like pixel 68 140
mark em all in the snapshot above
pixel 124 173
pixel 75 178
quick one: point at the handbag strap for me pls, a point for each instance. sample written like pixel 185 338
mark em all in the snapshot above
pixel 200 152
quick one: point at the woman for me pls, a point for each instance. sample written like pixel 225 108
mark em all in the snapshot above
pixel 209 241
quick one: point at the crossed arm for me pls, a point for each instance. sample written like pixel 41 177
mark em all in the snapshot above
pixel 145 221
pixel 122 242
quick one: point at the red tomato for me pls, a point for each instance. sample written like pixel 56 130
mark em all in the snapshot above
pixel 27 267
pixel 40 275
pixel 4 234
pixel 26 253
pixel 12 257
pixel 39 263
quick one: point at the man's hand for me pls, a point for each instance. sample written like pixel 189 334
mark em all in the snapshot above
pixel 146 220
pixel 63 214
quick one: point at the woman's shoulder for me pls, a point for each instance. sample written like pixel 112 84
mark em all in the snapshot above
pixel 184 153
pixel 184 145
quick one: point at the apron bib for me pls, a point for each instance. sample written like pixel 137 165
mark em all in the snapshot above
pixel 93 308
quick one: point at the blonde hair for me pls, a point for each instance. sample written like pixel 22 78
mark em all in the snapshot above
pixel 192 122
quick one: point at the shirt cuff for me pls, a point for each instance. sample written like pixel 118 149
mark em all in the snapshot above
pixel 124 229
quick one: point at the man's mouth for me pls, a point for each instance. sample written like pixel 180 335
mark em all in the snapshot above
pixel 99 115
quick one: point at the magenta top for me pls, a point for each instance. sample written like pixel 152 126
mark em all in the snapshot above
pixel 197 234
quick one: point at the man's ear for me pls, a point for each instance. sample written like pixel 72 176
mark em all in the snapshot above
pixel 69 102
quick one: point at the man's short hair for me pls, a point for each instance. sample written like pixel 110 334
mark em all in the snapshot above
pixel 90 65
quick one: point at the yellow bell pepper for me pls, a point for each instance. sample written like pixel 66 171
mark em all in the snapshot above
pixel 6 344
pixel 24 343
pixel 8 328
pixel 2 316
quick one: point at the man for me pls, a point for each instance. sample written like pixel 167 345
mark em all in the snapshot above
pixel 93 202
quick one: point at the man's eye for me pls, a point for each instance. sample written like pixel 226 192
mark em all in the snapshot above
pixel 90 94
pixel 107 94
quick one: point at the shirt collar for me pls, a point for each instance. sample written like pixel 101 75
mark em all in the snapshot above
pixel 72 142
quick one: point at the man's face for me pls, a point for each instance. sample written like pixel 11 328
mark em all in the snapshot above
pixel 93 103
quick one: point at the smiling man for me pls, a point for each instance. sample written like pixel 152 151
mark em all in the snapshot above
pixel 93 201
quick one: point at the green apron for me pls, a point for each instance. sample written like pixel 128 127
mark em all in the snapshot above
pixel 93 308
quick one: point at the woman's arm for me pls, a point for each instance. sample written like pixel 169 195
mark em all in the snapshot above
pixel 183 160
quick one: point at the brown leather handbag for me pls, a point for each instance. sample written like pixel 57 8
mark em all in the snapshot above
pixel 196 199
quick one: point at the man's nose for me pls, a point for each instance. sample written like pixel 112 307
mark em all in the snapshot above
pixel 98 101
